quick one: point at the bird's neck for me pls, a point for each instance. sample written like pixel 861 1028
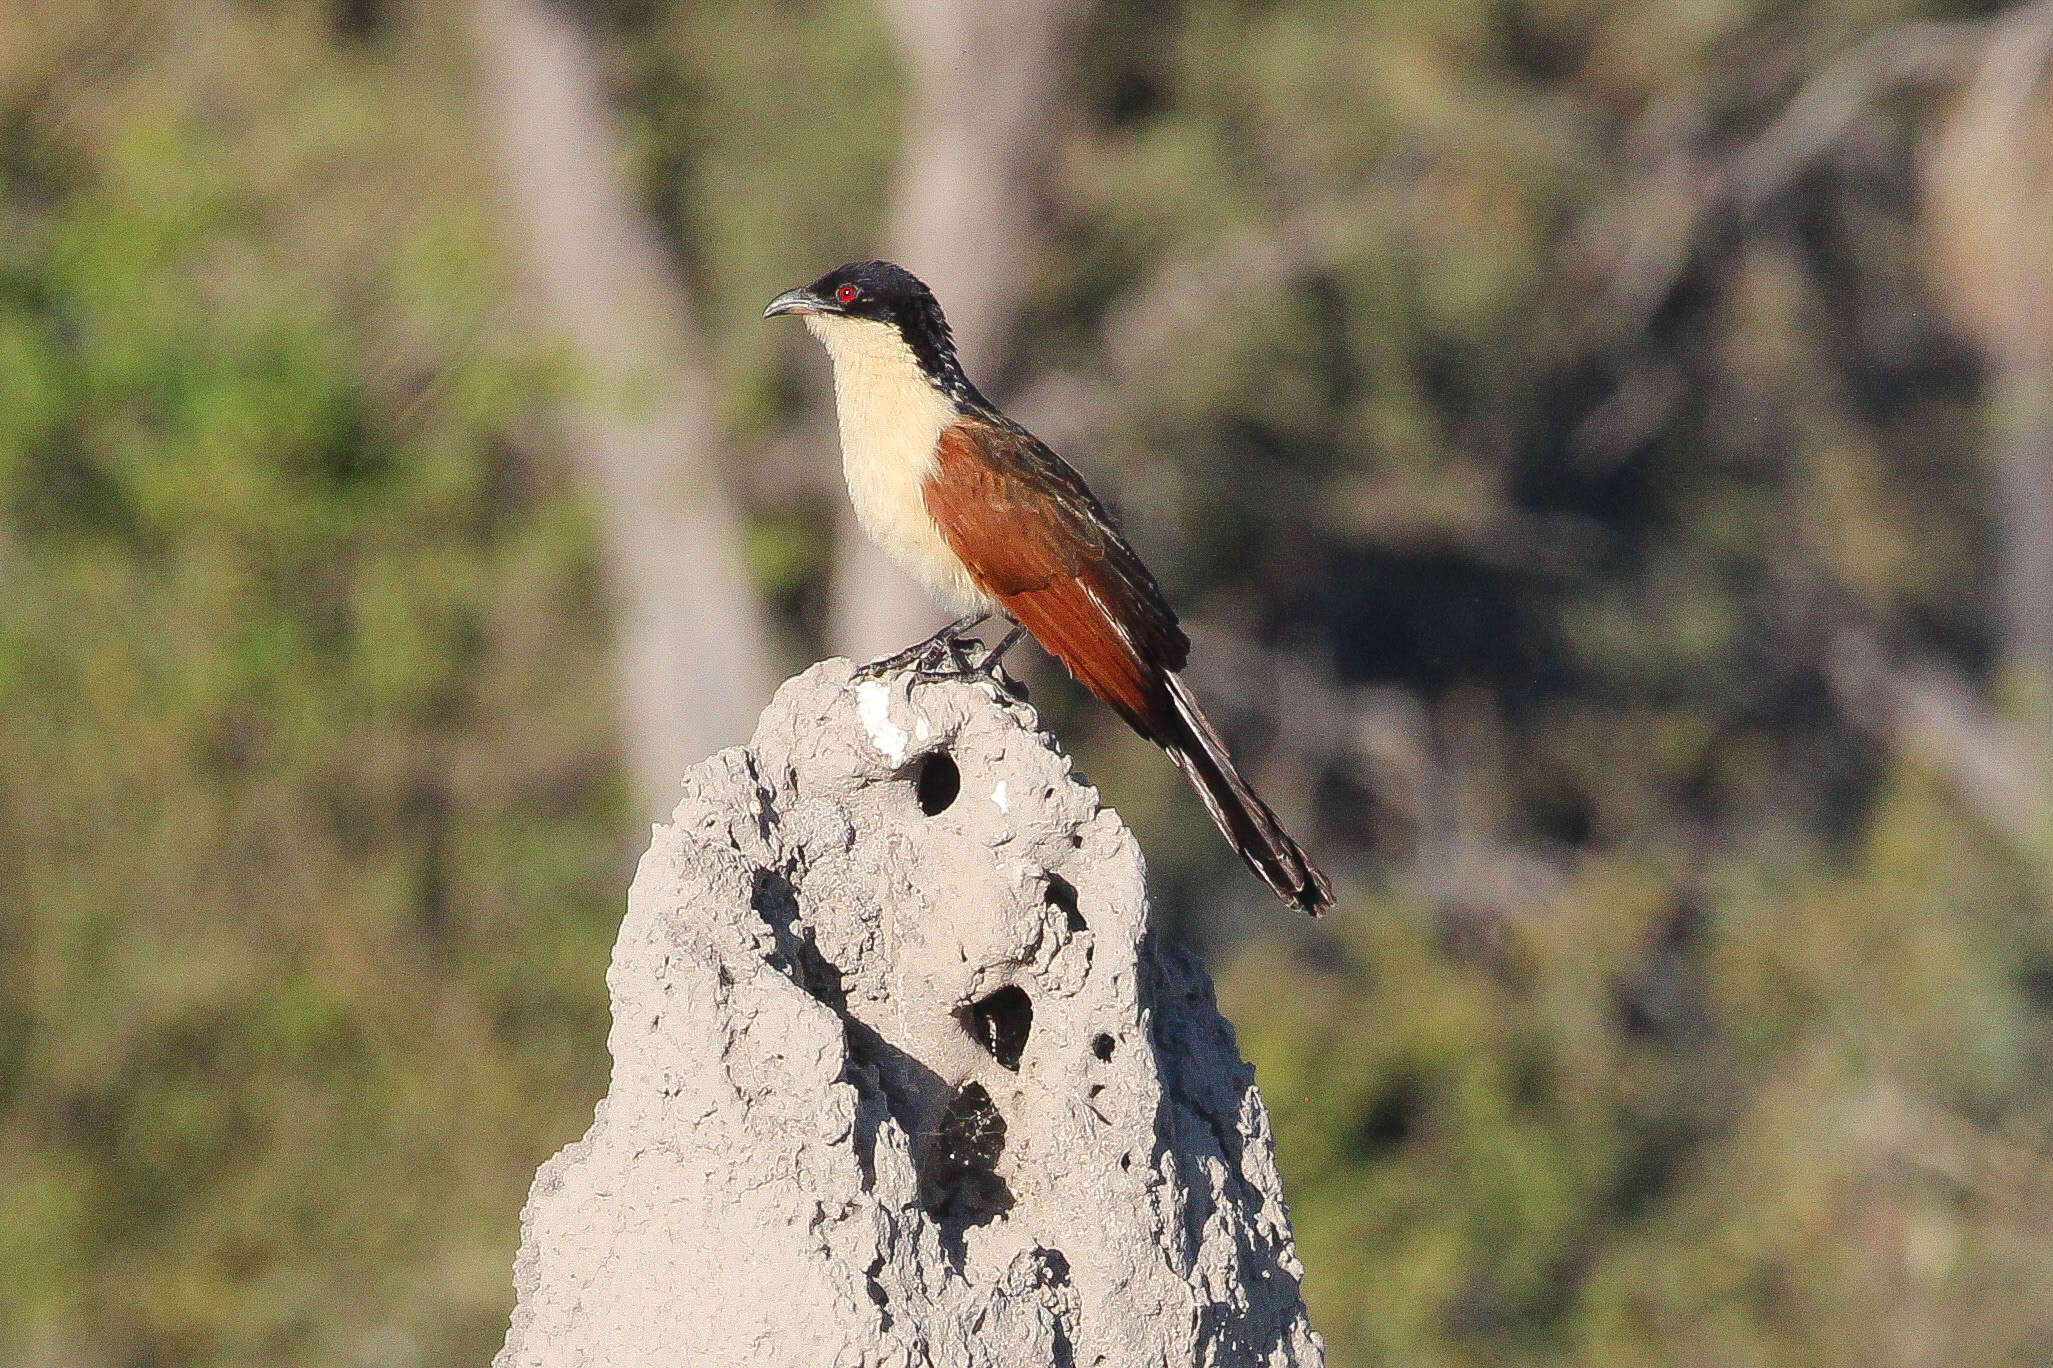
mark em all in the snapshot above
pixel 871 351
pixel 892 412
pixel 891 406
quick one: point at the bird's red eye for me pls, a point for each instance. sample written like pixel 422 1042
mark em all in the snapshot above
pixel 847 293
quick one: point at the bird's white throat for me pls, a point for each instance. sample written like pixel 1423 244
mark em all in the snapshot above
pixel 891 418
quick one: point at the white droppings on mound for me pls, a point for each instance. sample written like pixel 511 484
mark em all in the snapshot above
pixel 873 705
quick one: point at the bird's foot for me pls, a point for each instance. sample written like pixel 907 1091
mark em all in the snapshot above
pixel 944 655
pixel 929 660
pixel 950 654
pixel 965 658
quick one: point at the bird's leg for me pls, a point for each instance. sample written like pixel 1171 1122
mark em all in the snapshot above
pixel 926 657
pixel 992 668
pixel 997 653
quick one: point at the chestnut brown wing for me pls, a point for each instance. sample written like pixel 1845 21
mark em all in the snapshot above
pixel 1035 539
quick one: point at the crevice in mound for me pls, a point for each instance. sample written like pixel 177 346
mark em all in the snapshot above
pixel 797 957
pixel 1061 895
pixel 1054 1270
pixel 877 1292
pixel 891 1083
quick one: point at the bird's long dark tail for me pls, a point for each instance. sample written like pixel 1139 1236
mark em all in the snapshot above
pixel 1241 816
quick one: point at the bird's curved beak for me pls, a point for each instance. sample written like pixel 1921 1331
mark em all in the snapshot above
pixel 798 301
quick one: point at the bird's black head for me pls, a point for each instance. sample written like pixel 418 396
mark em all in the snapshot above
pixel 878 290
pixel 882 292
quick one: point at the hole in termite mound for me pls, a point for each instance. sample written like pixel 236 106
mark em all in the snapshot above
pixel 1101 1046
pixel 959 1180
pixel 938 783
pixel 1001 1022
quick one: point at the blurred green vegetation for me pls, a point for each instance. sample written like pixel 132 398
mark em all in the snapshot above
pixel 1735 1051
pixel 1794 1116
pixel 310 838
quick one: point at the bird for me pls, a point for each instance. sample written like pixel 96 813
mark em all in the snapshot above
pixel 991 521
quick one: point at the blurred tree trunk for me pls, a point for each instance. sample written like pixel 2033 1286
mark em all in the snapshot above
pixel 985 82
pixel 1990 184
pixel 692 668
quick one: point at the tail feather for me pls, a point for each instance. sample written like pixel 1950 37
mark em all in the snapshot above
pixel 1241 816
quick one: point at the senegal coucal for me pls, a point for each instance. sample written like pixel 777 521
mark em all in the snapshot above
pixel 979 511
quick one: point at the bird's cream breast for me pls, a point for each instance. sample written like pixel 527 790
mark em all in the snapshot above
pixel 891 419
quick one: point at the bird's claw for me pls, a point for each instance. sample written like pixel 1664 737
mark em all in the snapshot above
pixel 933 659
pixel 960 657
